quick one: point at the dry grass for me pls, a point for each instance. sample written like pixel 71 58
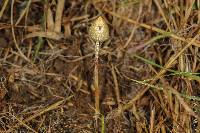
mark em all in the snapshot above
pixel 148 71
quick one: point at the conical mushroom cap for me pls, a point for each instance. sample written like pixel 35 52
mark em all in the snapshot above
pixel 99 31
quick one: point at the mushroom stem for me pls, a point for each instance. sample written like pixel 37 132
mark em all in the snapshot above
pixel 96 80
pixel 97 45
pixel 97 91
pixel 96 84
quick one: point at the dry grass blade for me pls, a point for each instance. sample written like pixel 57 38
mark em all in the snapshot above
pixel 50 21
pixel 3 8
pixel 195 43
pixel 24 124
pixel 48 34
pixel 152 121
pixel 188 11
pixel 39 113
pixel 13 34
pixel 160 74
pixel 187 108
pixel 59 12
pixel 163 14
pixel 117 92
pixel 23 13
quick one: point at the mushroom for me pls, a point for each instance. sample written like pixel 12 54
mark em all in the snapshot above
pixel 98 32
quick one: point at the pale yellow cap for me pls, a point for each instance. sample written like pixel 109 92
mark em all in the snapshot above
pixel 99 30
